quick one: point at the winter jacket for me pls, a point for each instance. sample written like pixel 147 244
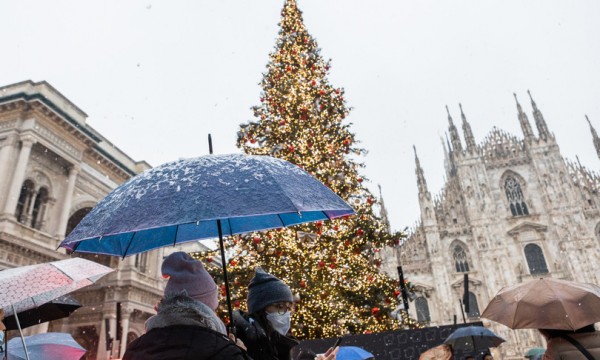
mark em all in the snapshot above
pixel 184 329
pixel 260 345
pixel 559 348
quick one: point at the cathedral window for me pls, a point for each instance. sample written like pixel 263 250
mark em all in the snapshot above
pixel 24 202
pixel 515 197
pixel 535 259
pixel 461 262
pixel 473 306
pixel 422 308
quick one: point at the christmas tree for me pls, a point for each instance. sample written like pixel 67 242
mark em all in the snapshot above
pixel 331 266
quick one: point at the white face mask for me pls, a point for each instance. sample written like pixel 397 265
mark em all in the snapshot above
pixel 280 323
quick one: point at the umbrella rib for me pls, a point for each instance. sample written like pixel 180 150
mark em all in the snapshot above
pixel 128 245
pixel 280 219
pixel 230 228
pixel 175 237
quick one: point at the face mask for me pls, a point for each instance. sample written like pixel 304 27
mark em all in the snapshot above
pixel 280 323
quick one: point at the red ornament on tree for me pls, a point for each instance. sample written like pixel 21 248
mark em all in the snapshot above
pixel 375 311
pixel 360 232
pixel 256 240
pixel 360 180
pixel 302 283
pixel 321 264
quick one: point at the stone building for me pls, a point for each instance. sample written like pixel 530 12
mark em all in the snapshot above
pixel 53 169
pixel 512 209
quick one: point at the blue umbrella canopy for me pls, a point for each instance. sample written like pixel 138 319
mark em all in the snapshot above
pixel 473 337
pixel 181 201
pixel 353 353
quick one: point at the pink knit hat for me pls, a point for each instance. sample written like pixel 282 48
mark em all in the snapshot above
pixel 187 273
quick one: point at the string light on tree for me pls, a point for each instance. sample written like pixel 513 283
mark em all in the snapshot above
pixel 332 266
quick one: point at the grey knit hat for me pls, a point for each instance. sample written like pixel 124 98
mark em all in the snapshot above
pixel 186 273
pixel 265 289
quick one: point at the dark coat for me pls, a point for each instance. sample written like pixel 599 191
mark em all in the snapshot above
pixel 559 348
pixel 262 344
pixel 184 329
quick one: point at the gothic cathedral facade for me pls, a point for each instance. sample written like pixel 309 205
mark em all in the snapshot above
pixel 512 209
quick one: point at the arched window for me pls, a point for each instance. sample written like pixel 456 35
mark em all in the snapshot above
pixel 39 208
pixel 76 218
pixel 461 262
pixel 141 262
pixel 535 259
pixel 422 308
pixel 514 194
pixel 473 306
pixel 24 201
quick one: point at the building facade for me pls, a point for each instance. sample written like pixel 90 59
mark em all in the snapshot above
pixel 512 209
pixel 53 169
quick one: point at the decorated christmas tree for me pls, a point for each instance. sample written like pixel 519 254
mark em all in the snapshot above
pixel 331 266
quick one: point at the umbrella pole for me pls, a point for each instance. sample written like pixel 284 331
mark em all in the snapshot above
pixel 224 263
pixel 20 331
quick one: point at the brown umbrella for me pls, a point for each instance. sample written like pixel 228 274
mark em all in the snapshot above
pixel 442 352
pixel 546 304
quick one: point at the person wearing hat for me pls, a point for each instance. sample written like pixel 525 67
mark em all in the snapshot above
pixel 186 326
pixel 264 330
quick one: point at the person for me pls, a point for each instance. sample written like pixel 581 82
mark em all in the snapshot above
pixel 488 357
pixel 264 330
pixel 560 345
pixel 186 326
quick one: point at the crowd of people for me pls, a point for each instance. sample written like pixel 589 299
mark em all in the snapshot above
pixel 186 326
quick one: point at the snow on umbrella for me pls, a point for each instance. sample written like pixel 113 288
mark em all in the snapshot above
pixel 204 197
pixel 48 346
pixel 28 287
pixel 546 303
pixel 473 337
pixel 53 310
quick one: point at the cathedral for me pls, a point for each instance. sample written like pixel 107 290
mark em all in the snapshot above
pixel 54 167
pixel 512 209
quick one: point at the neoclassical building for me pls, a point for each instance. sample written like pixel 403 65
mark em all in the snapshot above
pixel 512 209
pixel 53 169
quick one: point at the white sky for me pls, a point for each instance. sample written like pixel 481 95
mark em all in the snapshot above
pixel 155 77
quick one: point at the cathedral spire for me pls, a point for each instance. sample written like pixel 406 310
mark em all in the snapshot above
pixel 595 137
pixel 467 132
pixel 421 182
pixel 539 120
pixel 456 144
pixel 383 211
pixel 525 126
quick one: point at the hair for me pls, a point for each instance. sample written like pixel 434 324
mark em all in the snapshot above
pixel 552 333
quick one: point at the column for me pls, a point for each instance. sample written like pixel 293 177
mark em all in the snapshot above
pixel 28 210
pixel 64 216
pixel 6 150
pixel 125 315
pixel 18 176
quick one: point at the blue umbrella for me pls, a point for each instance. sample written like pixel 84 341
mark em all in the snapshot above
pixel 48 346
pixel 473 337
pixel 204 197
pixel 353 353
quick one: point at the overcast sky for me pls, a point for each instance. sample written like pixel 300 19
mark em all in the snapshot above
pixel 155 77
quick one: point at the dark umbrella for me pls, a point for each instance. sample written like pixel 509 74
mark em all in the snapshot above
pixel 473 337
pixel 204 197
pixel 53 310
